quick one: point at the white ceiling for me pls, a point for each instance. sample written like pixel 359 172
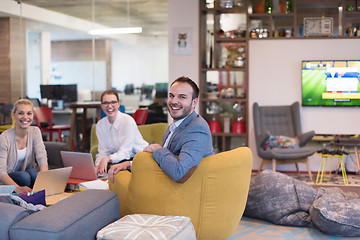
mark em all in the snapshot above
pixel 151 15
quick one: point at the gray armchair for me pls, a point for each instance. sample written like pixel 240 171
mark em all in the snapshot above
pixel 284 121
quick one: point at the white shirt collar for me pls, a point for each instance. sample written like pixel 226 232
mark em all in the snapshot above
pixel 116 123
pixel 178 122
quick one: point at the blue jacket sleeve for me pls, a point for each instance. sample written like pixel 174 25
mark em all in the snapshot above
pixel 190 147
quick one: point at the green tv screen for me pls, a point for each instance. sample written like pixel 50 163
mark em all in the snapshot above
pixel 330 83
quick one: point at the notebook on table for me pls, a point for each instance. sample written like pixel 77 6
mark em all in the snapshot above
pixel 83 166
pixel 53 181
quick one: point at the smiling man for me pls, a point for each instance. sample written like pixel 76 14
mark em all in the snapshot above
pixel 188 138
pixel 118 135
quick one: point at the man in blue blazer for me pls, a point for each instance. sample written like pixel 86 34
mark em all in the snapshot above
pixel 188 138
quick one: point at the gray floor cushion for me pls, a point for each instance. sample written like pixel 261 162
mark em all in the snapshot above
pixel 336 213
pixel 280 199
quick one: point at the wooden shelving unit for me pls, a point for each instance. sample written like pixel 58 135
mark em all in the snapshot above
pixel 224 36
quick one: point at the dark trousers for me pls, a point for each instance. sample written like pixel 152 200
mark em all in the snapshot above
pixel 24 178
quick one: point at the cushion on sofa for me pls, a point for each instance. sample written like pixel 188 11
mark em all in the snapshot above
pixel 281 142
pixel 9 215
pixel 336 213
pixel 34 198
pixel 79 216
pixel 280 199
pixel 146 226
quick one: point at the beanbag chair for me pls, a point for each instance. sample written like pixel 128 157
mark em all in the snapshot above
pixel 280 199
pixel 336 213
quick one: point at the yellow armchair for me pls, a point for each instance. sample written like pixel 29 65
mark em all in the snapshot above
pixel 152 133
pixel 214 197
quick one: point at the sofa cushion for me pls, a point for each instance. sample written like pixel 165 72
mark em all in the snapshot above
pixel 281 142
pixel 78 217
pixel 280 199
pixel 34 198
pixel 9 215
pixel 146 226
pixel 336 213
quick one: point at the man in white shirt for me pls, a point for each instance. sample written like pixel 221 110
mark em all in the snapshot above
pixel 118 135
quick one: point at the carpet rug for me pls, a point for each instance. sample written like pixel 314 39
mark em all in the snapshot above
pixel 253 229
pixel 335 181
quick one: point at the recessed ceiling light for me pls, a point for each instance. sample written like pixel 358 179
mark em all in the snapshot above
pixel 109 31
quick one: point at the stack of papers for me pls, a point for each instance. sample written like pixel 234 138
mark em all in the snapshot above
pixel 95 184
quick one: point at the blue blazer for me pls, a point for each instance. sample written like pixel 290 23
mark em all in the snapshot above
pixel 191 142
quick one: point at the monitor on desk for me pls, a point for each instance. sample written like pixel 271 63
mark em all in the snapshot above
pixel 65 92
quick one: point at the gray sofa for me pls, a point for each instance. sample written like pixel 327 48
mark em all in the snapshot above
pixel 77 217
pixel 80 216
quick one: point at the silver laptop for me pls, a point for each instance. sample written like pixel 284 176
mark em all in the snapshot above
pixel 53 181
pixel 82 163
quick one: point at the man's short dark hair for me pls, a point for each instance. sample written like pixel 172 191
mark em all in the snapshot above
pixel 193 85
pixel 110 92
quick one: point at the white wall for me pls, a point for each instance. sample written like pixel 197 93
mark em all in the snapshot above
pixel 275 79
pixel 184 14
pixel 143 62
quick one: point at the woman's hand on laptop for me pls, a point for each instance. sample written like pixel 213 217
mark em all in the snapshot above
pixel 23 189
pixel 114 169
pixel 102 167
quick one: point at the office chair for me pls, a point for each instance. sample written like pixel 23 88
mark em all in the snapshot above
pixel 121 109
pixel 140 116
pixel 43 118
pixel 5 111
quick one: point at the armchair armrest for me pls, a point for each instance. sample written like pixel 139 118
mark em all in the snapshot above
pixel 305 137
pixel 121 187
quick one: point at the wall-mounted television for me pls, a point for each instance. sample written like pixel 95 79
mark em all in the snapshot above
pixel 330 83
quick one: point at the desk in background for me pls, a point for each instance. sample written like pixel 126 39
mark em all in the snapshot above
pixel 85 106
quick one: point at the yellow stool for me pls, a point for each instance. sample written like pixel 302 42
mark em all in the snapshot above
pixel 323 162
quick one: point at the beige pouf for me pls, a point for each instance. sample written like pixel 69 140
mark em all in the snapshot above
pixel 145 226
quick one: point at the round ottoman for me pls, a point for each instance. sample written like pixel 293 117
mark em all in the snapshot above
pixel 145 226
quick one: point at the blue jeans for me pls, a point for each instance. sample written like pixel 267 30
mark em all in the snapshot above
pixel 24 178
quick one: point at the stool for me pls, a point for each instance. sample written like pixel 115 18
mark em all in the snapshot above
pixel 350 142
pixel 323 163
pixel 146 226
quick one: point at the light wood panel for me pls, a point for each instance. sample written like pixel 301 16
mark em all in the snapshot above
pixel 17 59
pixel 10 59
pixel 4 60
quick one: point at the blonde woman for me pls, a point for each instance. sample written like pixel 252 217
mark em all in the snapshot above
pixel 20 147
